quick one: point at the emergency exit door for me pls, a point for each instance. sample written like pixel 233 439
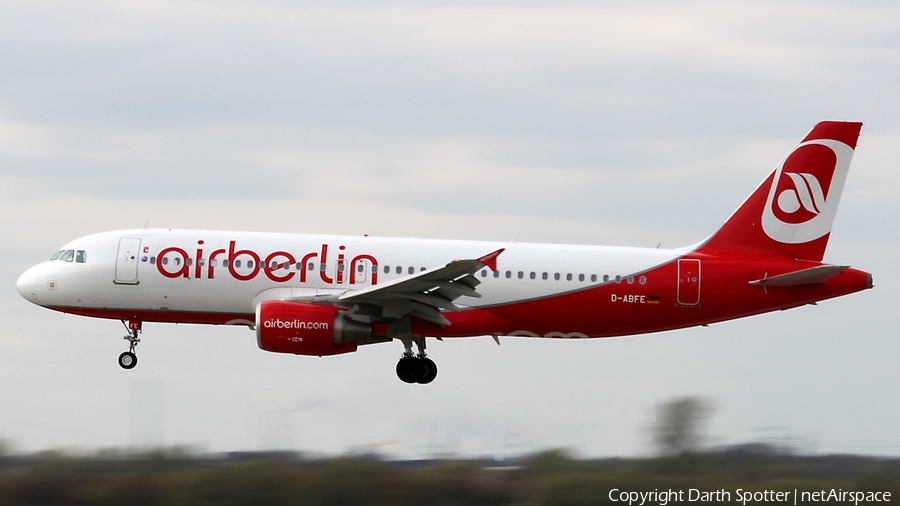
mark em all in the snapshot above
pixel 127 261
pixel 688 282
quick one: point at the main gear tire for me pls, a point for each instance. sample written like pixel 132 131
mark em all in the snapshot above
pixel 409 370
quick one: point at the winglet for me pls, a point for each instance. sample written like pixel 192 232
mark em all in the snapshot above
pixel 490 260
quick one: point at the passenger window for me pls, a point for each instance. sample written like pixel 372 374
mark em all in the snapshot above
pixel 618 279
pixel 387 269
pixel 544 276
pixel 568 277
pixel 374 268
pixel 341 267
pixel 178 261
pixel 422 269
pixel 237 263
pixel 213 262
pixel 411 270
pixel 360 268
pixel 643 280
pixel 274 265
pixel 57 255
pixel 80 256
pixel 201 262
pixel 606 278
pixel 630 280
pixel 190 261
pixel 581 277
pixel 68 256
pixel 484 273
pixel 153 260
pixel 250 264
pixel 556 276
pixel 224 262
pixel 165 260
pixel 521 274
pixel 508 274
pixel 593 278
pixel 496 274
pixel 533 275
pixel 399 270
pixel 310 267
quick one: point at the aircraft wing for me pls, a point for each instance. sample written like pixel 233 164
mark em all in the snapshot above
pixel 426 293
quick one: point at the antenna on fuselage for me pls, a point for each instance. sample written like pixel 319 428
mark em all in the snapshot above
pixel 146 223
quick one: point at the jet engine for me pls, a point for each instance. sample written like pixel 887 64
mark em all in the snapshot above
pixel 307 329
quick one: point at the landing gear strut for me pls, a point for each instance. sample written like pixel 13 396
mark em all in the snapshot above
pixel 128 359
pixel 416 368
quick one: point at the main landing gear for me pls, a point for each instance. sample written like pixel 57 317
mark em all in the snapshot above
pixel 416 368
pixel 128 359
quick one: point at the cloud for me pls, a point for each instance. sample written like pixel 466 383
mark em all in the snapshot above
pixel 575 70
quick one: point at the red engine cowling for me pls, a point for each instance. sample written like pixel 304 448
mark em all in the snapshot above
pixel 305 329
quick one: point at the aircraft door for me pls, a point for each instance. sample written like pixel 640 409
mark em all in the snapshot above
pixel 688 282
pixel 127 261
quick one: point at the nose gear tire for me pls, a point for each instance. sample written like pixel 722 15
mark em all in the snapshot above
pixel 127 360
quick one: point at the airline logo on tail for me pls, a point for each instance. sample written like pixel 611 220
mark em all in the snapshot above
pixel 805 191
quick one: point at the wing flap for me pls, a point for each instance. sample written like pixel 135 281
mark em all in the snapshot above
pixel 425 293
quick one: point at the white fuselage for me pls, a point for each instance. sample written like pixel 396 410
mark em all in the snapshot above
pixel 198 280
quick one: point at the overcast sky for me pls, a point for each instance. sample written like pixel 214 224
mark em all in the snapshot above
pixel 589 123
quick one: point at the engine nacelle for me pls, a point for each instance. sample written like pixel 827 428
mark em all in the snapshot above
pixel 307 329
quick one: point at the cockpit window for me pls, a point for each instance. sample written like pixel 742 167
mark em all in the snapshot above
pixel 57 255
pixel 80 256
pixel 68 256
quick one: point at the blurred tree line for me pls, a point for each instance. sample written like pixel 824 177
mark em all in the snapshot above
pixel 548 478
pixel 176 478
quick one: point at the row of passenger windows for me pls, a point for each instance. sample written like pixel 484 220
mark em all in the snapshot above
pixel 409 270
pixel 68 255
pixel 569 276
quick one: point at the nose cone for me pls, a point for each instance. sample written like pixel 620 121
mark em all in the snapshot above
pixel 26 285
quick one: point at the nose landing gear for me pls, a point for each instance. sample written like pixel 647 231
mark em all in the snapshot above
pixel 128 359
pixel 416 368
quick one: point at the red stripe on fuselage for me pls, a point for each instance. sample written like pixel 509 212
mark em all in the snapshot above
pixel 725 294
pixel 159 316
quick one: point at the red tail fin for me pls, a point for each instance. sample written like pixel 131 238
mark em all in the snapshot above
pixel 791 213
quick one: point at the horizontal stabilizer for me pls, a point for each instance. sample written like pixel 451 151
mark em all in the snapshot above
pixel 810 276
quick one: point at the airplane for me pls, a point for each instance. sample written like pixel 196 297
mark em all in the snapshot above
pixel 322 295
